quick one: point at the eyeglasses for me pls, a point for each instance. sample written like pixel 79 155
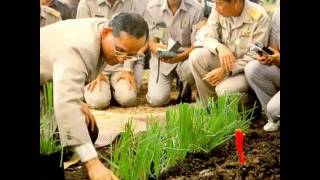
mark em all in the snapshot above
pixel 124 55
pixel 120 54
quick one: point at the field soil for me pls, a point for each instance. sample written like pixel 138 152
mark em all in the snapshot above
pixel 262 150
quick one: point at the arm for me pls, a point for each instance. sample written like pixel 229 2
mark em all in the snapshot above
pixel 261 34
pixel 128 65
pixel 180 57
pixel 138 72
pixel 185 54
pixel 153 44
pixel 274 40
pixel 69 79
pixel 198 18
pixel 210 33
pixel 83 10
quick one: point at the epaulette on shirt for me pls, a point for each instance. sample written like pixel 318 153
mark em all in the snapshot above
pixel 254 13
pixel 53 12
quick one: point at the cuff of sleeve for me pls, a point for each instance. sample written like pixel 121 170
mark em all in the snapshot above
pixel 86 152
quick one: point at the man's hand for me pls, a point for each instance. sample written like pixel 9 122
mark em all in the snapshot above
pixel 180 57
pixel 154 46
pixel 90 120
pixel 173 60
pixel 97 171
pixel 273 59
pixel 97 82
pixel 215 76
pixel 129 76
pixel 226 57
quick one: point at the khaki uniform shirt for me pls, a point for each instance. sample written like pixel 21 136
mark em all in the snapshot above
pixel 102 8
pixel 237 33
pixel 275 29
pixel 48 16
pixel 180 27
pixel 64 9
pixel 70 56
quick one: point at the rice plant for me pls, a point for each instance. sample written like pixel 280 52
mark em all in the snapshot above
pixel 189 128
pixel 48 138
pixel 138 157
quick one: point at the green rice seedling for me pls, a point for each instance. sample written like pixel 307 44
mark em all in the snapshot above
pixel 224 120
pixel 148 152
pixel 188 129
pixel 175 139
pixel 123 154
pixel 48 140
pixel 135 155
pixel 49 143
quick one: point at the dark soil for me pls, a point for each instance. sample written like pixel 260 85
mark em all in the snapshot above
pixel 262 151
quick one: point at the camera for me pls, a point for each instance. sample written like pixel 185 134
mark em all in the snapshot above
pixel 166 54
pixel 260 49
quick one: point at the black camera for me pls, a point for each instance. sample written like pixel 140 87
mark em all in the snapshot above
pixel 260 49
pixel 166 54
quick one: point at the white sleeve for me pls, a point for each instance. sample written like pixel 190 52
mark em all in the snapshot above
pixel 86 152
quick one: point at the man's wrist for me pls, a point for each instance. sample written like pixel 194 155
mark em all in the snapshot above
pixel 91 162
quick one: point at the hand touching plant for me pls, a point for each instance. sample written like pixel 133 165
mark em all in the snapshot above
pixel 97 171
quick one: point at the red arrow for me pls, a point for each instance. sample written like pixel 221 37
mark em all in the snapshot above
pixel 239 144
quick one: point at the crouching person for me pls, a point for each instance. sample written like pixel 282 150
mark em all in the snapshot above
pixel 263 76
pixel 73 53
pixel 121 82
pixel 218 67
pixel 176 20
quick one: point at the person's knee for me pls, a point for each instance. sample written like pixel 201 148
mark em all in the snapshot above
pixel 125 95
pixel 127 100
pixel 273 109
pixel 252 69
pixel 99 98
pixel 195 55
pixel 158 99
pixel 185 74
pixel 233 84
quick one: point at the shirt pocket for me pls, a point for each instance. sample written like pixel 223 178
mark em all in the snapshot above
pixel 243 42
pixel 245 37
pixel 185 32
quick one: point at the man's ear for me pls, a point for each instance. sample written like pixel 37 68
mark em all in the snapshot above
pixel 106 31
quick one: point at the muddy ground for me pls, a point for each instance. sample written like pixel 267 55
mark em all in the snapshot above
pixel 262 150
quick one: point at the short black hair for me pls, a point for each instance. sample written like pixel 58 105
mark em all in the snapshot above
pixel 131 23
